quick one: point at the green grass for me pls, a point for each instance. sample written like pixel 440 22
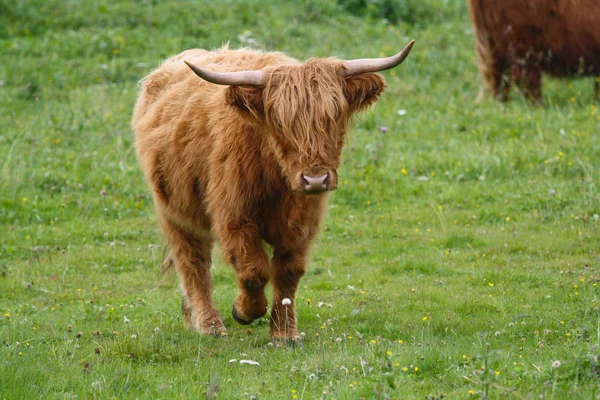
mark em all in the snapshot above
pixel 464 237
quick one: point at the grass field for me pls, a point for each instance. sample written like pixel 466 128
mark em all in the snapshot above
pixel 459 256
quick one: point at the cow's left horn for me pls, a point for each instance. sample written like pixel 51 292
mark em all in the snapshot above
pixel 241 78
pixel 366 65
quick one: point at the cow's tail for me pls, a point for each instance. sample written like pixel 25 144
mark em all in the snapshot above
pixel 483 47
pixel 168 262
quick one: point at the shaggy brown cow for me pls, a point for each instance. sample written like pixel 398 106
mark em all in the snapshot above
pixel 518 39
pixel 245 154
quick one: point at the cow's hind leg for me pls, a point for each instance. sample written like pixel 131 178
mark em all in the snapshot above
pixel 242 244
pixel 597 88
pixel 192 258
pixel 288 268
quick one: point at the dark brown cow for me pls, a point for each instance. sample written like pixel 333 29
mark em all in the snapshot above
pixel 518 39
pixel 246 155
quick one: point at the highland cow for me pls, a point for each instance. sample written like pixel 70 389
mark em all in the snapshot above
pixel 517 40
pixel 245 156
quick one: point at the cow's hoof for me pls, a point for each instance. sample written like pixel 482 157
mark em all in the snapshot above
pixel 210 325
pixel 236 315
pixel 214 329
pixel 295 341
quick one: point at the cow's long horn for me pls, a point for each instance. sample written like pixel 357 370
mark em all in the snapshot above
pixel 241 78
pixel 365 65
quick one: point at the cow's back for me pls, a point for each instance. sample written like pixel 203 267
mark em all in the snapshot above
pixel 567 31
pixel 172 83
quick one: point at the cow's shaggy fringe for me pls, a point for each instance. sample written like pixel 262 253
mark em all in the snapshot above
pixel 306 103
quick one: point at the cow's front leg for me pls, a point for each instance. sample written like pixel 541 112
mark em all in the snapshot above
pixel 288 268
pixel 242 244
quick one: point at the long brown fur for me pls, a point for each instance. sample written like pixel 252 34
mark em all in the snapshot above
pixel 517 40
pixel 224 163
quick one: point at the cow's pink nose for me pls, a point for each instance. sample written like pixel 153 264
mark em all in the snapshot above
pixel 314 183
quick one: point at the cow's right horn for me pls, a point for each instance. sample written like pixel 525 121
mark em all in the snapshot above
pixel 366 65
pixel 240 78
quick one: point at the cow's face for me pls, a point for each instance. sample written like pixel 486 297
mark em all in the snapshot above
pixel 305 111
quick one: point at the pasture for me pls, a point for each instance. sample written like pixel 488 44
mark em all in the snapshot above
pixel 459 256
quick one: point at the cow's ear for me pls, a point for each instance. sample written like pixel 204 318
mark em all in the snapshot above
pixel 363 90
pixel 246 99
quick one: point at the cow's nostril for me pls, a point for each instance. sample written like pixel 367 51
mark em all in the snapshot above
pixel 314 183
